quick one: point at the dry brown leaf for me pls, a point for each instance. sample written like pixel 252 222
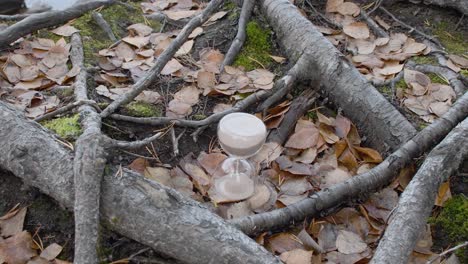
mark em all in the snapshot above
pixel 206 80
pixel 218 108
pixel 171 67
pixel 349 8
pixel 333 177
pixel 349 243
pixel 185 48
pixel 200 179
pixel 261 78
pixel 211 59
pixel 159 174
pixel 369 155
pixel 452 66
pixel 188 94
pixel 439 108
pixel 17 249
pixel 178 109
pixel 459 61
pixel 261 196
pixel 390 68
pixel 269 152
pixel 124 51
pixel 278 59
pixel 332 5
pixel 65 30
pixel 441 92
pixel 283 242
pixel 211 162
pixel 177 15
pixel 414 47
pixel 148 97
pixel 139 165
pixel 307 156
pixel 385 199
pixel 287 199
pixel 327 237
pixel 137 41
pixel 238 210
pixel 51 252
pixel 14 224
pixel 216 16
pixel 365 47
pixel 12 72
pixel 303 139
pixel 196 32
pixel 140 30
pixel 418 105
pixel 381 41
pixel 411 76
pixel 297 256
pixel 295 186
pixel 328 133
pixel 382 23
pixel 443 194
pixel 357 30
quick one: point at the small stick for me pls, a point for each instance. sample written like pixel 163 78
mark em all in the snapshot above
pixel 134 144
pixel 239 40
pixel 102 23
pixel 175 142
pixel 411 29
pixel 464 244
pixel 376 28
pixel 64 109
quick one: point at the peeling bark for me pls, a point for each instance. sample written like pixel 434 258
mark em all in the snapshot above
pixel 385 127
pixel 416 202
pixel 130 204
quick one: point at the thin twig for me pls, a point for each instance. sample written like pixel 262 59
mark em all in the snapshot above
pixel 411 29
pixel 464 244
pixel 329 21
pixel 238 41
pixel 175 142
pixel 102 23
pixel 376 28
pixel 134 144
pixel 64 109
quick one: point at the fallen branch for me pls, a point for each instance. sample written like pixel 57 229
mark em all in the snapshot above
pixel 411 29
pixel 385 127
pixel 236 45
pixel 359 185
pixel 102 23
pixel 156 121
pixel 131 205
pixel 416 202
pixel 299 107
pixel 373 25
pixel 450 250
pixel 162 60
pixel 47 19
pixel 18 17
pixel 460 5
pixel 65 109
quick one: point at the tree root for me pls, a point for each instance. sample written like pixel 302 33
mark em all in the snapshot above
pixel 131 205
pixel 385 127
pixel 416 202
pixel 102 23
pixel 451 76
pixel 247 8
pixel 358 185
pixel 162 60
pixel 47 19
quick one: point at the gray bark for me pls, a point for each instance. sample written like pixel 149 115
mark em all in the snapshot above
pixel 47 19
pixel 416 202
pixel 385 127
pixel 131 205
pixel 360 185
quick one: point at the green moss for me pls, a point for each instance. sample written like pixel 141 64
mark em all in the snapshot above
pixel 141 109
pixel 452 221
pixel 464 72
pixel 119 18
pixel 436 78
pixel 256 50
pixel 45 33
pixel 312 115
pixel 386 90
pixel 199 116
pixel 66 127
pixel 425 60
pixel 453 41
pixel 401 84
pixel 229 6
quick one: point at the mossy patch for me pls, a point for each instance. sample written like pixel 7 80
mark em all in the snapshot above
pixel 66 127
pixel 425 60
pixel 45 33
pixel 401 84
pixel 119 18
pixel 453 41
pixel 141 109
pixel 453 222
pixel 257 48
pixel 386 90
pixel 199 116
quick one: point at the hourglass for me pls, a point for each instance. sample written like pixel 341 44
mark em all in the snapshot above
pixel 241 136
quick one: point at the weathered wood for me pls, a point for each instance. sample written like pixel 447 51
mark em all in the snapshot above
pixel 136 207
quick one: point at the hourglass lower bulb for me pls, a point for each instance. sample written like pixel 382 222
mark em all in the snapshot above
pixel 241 136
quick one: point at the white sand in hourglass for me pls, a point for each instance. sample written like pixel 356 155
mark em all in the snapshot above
pixel 241 135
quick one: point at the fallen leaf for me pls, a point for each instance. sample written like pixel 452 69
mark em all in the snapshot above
pixel 390 68
pixel 452 66
pixel 188 95
pixel 443 194
pixel 178 15
pixel 261 196
pixel 269 152
pixel 65 30
pixel 278 59
pixel 307 156
pixel 12 72
pixel 206 80
pixel 385 199
pixel 140 29
pixel 196 32
pixel 14 224
pixel 382 23
pixel 287 199
pixel 238 210
pixel 332 5
pixel 369 155
pixel 17 249
pixel 349 8
pixel 282 242
pixel 327 237
pixel 411 76
pixel 124 51
pixel 171 67
pixel 349 243
pixel 295 186
pixel 218 108
pixel 178 109
pixel 357 30
pixel 333 177
pixel 51 252
pixel 459 61
pixel 185 48
pixel 297 256
pixel 137 41
pixel 149 97
pixel 139 165
pixel 216 16
pixel 439 108
pixel 211 162
pixel 303 139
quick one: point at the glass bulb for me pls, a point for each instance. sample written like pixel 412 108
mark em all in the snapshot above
pixel 241 136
